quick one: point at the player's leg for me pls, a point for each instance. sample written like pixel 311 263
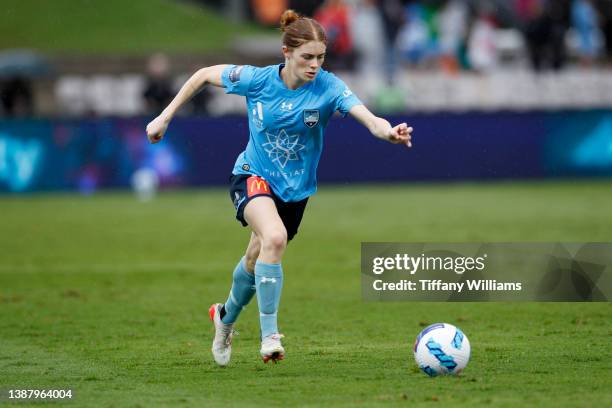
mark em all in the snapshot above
pixel 241 293
pixel 262 215
pixel 243 283
pixel 252 253
pixel 223 315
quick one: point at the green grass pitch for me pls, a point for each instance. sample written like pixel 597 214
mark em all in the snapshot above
pixel 117 27
pixel 109 296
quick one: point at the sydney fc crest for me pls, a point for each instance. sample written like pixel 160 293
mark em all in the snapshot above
pixel 311 117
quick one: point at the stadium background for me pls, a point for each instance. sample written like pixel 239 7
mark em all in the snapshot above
pixel 511 105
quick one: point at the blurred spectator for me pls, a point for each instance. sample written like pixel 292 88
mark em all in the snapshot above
pixel 605 8
pixel 415 44
pixel 453 23
pixel 16 97
pixel 158 90
pixel 393 20
pixel 334 17
pixel 527 10
pixel 305 7
pixel 505 12
pixel 482 51
pixel 18 68
pixel 585 22
pixel 545 32
pixel 268 12
pixel 368 38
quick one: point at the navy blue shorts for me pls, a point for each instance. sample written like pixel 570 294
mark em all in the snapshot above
pixel 245 187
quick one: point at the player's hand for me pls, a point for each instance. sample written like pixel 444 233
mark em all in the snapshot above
pixel 400 134
pixel 156 129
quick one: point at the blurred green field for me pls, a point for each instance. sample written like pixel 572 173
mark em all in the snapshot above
pixel 136 27
pixel 108 296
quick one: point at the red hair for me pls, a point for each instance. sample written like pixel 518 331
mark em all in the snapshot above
pixel 298 30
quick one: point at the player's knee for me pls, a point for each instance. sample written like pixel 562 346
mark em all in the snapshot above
pixel 275 241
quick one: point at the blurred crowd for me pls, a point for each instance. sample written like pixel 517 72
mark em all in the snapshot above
pixel 376 38
pixel 456 35
pixel 393 52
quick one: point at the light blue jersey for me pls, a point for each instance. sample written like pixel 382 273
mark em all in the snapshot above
pixel 286 126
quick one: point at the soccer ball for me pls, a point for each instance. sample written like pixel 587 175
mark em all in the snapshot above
pixel 441 349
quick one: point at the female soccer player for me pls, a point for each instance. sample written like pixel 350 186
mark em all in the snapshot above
pixel 289 106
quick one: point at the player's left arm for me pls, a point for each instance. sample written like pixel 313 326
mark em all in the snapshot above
pixel 381 128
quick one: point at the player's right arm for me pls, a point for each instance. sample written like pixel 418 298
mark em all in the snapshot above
pixel 209 75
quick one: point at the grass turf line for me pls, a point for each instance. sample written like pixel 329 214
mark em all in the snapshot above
pixel 109 296
pixel 136 27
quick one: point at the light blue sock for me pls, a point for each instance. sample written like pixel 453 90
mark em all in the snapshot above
pixel 241 293
pixel 269 283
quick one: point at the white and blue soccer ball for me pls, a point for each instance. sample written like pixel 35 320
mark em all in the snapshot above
pixel 440 349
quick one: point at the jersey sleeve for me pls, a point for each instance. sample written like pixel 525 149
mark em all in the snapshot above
pixel 237 79
pixel 343 98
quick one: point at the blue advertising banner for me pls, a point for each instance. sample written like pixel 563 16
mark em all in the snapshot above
pixel 90 154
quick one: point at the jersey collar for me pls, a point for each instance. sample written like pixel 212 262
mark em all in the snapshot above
pixel 281 84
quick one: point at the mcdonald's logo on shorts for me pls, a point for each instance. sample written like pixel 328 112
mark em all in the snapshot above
pixel 257 186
